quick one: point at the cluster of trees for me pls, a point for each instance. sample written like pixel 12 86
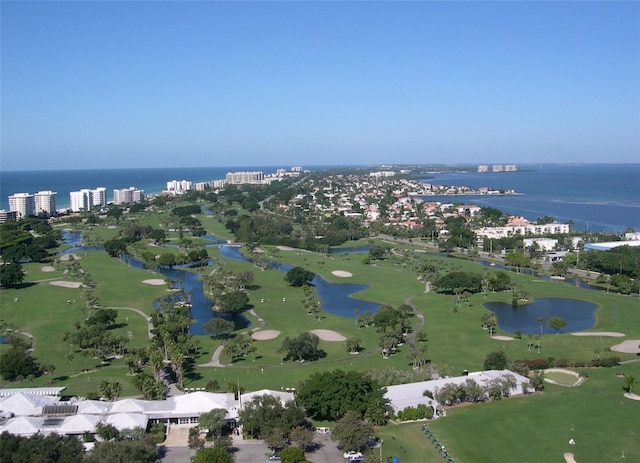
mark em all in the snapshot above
pixel 28 238
pixel 227 289
pixel 16 363
pixel 420 412
pixel 126 445
pixel 471 391
pixel 623 260
pixel 392 324
pixel 265 417
pixel 350 391
pixel 302 347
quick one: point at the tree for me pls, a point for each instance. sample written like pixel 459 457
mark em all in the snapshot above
pixel 329 395
pixel 219 326
pixel 353 345
pixel 140 451
pixel 540 322
pixel 489 321
pixel 43 449
pixel 302 347
pixel 18 362
pixel 496 360
pixel 266 412
pixel 302 437
pixel 629 382
pixel 352 432
pixel 213 455
pixel 11 274
pixel 298 276
pixel 292 455
pixel 275 439
pixel 233 301
pixel 195 441
pixel 557 323
pixel 213 421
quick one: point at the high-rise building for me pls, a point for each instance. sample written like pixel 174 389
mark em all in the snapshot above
pixel 179 186
pixel 128 195
pixel 238 178
pixel 45 202
pixel 80 200
pixel 23 204
pixel 99 197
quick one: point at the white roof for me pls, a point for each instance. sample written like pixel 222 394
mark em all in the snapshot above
pixel 21 404
pixel 284 397
pixel 201 402
pixel 127 421
pixel 78 424
pixel 23 425
pixel 128 405
pixel 93 407
pixel 402 396
pixel 4 392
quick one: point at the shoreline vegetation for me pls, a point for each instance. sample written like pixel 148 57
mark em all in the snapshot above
pixel 401 272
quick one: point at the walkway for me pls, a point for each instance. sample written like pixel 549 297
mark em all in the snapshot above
pixel 142 314
pixel 215 358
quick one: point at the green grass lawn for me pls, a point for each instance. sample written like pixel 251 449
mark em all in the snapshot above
pixel 535 428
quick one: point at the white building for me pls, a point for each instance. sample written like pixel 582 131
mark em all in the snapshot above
pixel 45 202
pixel 179 186
pixel 27 411
pixel 99 197
pixel 402 396
pixel 80 200
pixel 238 178
pixel 544 244
pixel 8 215
pixel 23 204
pixel 128 195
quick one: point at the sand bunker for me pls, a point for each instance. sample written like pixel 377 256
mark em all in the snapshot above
pixel 48 268
pixel 632 396
pixel 66 257
pixel 342 274
pixel 502 338
pixel 155 282
pixel 286 248
pixel 613 334
pixel 568 457
pixel 329 335
pixel 66 284
pixel 264 335
pixel 632 346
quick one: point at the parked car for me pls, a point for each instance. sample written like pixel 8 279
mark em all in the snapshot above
pixel 274 457
pixel 352 455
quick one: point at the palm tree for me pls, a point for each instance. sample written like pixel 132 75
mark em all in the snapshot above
pixel 629 382
pixel 540 322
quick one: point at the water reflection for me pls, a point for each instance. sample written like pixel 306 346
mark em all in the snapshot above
pixel 580 315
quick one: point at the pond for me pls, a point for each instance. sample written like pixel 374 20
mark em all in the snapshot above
pixel 580 315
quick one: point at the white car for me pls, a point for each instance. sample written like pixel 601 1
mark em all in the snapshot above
pixel 353 455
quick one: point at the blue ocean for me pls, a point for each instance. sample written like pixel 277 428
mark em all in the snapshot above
pixel 596 197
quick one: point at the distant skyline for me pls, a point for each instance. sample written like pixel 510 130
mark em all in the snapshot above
pixel 161 84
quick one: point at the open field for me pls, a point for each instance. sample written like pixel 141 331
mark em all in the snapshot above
pixel 541 423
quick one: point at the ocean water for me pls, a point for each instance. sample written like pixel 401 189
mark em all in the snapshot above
pixel 152 180
pixel 596 197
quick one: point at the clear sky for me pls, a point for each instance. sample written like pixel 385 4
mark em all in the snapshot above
pixel 118 84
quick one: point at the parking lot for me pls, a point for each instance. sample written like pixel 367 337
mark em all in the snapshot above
pixel 255 451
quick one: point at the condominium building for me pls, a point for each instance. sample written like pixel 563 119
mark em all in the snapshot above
pixel 80 200
pixel 6 216
pixel 238 178
pixel 99 197
pixel 45 202
pixel 179 186
pixel 128 195
pixel 23 204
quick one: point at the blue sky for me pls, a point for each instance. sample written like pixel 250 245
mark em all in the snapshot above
pixel 117 84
